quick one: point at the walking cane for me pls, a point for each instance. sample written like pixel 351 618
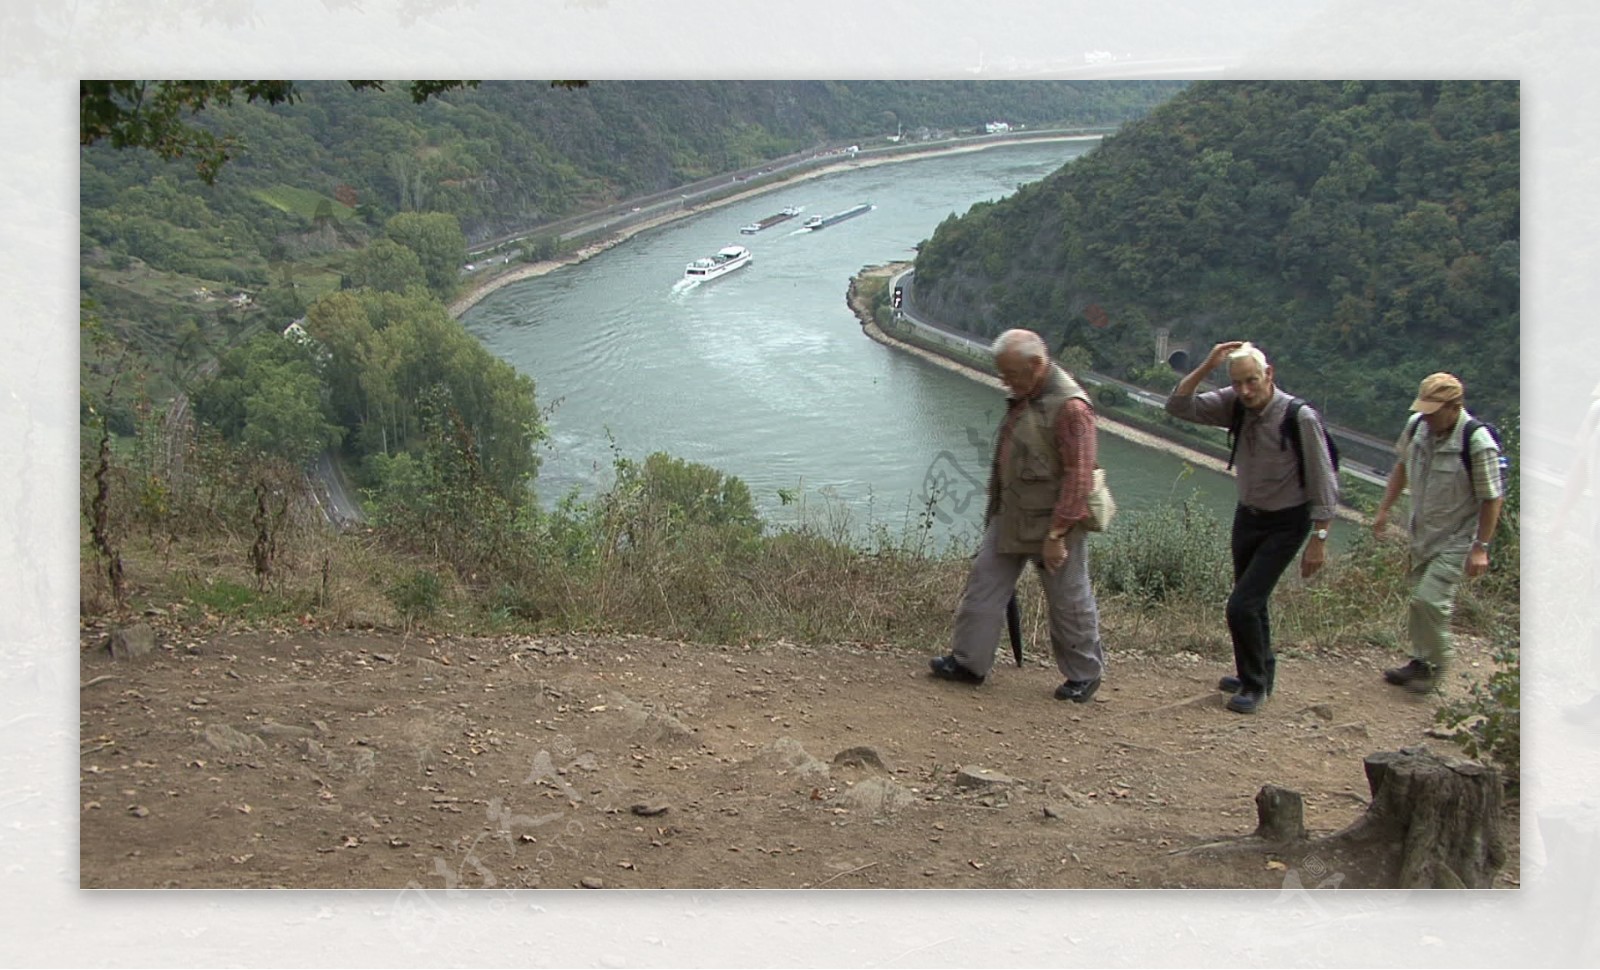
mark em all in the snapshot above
pixel 1014 626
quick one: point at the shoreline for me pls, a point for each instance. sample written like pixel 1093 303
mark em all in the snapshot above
pixel 482 289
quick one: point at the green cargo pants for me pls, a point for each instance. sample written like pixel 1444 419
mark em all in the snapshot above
pixel 1433 597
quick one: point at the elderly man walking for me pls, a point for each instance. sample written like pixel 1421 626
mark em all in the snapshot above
pixel 1287 490
pixel 1039 484
pixel 1452 463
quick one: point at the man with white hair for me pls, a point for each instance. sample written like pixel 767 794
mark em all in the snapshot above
pixel 1288 490
pixel 1039 483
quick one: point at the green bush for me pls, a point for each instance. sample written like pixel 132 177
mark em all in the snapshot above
pixel 1487 723
pixel 418 594
pixel 1167 552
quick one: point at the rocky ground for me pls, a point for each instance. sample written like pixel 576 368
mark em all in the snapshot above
pixel 306 758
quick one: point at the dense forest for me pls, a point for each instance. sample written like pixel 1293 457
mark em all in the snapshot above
pixel 1364 233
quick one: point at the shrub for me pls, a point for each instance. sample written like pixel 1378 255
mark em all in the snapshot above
pixel 416 595
pixel 1166 552
pixel 1487 723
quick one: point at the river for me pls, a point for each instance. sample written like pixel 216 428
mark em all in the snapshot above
pixel 765 373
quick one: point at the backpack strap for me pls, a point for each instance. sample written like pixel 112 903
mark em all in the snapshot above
pixel 1468 429
pixel 1289 431
pixel 1411 427
pixel 1235 425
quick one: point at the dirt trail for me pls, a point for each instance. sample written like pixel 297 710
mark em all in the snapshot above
pixel 313 759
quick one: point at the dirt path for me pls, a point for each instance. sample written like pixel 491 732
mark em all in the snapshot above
pixel 312 759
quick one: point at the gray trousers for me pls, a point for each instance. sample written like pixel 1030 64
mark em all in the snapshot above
pixel 1074 618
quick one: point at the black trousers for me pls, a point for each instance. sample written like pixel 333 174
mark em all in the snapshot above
pixel 1264 544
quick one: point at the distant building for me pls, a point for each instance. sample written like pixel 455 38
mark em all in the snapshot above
pixel 996 127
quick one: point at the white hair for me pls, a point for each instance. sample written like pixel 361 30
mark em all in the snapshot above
pixel 1019 341
pixel 1248 351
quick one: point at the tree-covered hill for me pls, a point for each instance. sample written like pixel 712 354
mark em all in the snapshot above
pixel 507 155
pixel 1364 233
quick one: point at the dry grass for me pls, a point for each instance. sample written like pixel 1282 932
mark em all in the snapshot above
pixel 641 569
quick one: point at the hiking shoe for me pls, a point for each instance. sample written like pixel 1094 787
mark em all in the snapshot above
pixel 1077 691
pixel 1418 676
pixel 1233 685
pixel 946 668
pixel 1247 701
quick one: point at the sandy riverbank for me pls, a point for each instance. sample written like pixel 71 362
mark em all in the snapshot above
pixel 483 288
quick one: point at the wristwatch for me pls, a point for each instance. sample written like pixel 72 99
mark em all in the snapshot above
pixel 1480 544
pixel 1320 534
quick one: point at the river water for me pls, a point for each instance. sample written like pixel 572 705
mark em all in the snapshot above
pixel 765 373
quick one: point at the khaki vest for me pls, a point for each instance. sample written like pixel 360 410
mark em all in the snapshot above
pixel 1444 506
pixel 1023 493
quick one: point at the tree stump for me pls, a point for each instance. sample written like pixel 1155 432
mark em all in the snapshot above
pixel 1280 814
pixel 1444 814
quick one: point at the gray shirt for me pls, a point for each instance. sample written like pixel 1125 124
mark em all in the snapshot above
pixel 1265 465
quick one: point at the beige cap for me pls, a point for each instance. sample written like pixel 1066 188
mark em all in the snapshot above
pixel 1436 391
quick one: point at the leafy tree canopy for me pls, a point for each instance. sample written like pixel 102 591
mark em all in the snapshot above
pixel 151 114
pixel 1364 233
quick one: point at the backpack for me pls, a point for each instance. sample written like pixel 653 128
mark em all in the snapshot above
pixel 1467 431
pixel 1288 436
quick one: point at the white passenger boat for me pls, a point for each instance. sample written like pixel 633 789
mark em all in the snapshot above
pixel 727 259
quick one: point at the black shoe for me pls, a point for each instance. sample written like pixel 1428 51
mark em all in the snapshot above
pixel 1077 691
pixel 946 668
pixel 1233 685
pixel 1418 676
pixel 1247 701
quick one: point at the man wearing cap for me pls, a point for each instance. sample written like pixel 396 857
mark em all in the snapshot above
pixel 1455 506
pixel 1283 499
pixel 1039 484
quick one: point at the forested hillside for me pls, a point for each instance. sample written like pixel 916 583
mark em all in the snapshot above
pixel 1365 233
pixel 506 155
